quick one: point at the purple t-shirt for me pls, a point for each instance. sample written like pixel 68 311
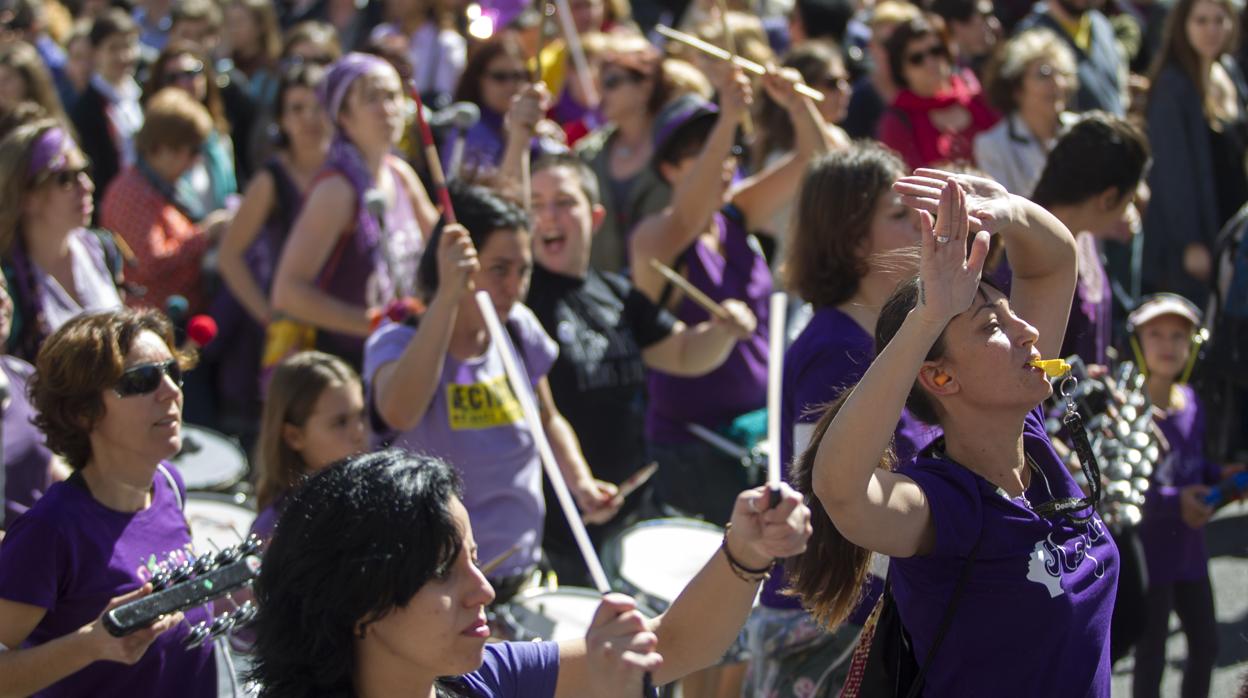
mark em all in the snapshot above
pixel 70 554
pixel 1034 617
pixel 476 424
pixel 1088 331
pixel 26 455
pixel 827 358
pixel 1173 551
pixel 516 670
pixel 738 270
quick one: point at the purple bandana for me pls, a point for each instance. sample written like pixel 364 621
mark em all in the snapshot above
pixel 50 151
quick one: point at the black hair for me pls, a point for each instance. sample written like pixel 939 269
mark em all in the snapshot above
pixel 483 212
pixel 110 22
pixel 686 141
pixel 1099 151
pixel 355 541
pixel 305 75
pixel 825 19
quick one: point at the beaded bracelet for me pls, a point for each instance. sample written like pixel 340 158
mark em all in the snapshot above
pixel 745 574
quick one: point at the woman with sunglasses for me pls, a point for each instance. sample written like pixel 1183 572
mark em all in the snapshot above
pixel 210 182
pixel 994 552
pixel 938 110
pixel 107 388
pixel 496 73
pixel 55 267
pixel 636 81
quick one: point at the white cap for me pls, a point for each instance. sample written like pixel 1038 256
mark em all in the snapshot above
pixel 1159 304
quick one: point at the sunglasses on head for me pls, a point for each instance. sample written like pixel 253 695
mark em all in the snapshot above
pixel 937 51
pixel 146 378
pixel 508 76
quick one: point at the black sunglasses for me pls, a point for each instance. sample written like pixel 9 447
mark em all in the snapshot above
pixel 146 378
pixel 614 80
pixel 937 51
pixel 508 76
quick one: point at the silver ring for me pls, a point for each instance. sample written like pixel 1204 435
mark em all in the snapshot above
pixel 942 238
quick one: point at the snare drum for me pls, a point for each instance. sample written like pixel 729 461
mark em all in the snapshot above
pixel 221 518
pixel 654 560
pixel 209 460
pixel 550 614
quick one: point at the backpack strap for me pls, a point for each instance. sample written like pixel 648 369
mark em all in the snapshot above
pixel 173 485
pixel 947 619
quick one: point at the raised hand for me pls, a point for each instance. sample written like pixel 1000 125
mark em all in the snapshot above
pixel 527 110
pixel 620 648
pixel 761 534
pixel 989 206
pixel 948 273
pixel 735 94
pixel 130 648
pixel 457 261
pixel 781 85
pixel 740 322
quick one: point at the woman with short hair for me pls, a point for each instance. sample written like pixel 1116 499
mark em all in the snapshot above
pixel 107 388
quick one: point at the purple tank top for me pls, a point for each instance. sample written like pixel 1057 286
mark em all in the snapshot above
pixel 360 276
pixel 738 270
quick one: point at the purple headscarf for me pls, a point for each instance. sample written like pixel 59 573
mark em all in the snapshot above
pixel 50 151
pixel 345 159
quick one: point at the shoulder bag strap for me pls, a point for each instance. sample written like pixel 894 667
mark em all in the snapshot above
pixel 947 620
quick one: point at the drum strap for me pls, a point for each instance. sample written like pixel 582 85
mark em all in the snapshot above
pixel 173 485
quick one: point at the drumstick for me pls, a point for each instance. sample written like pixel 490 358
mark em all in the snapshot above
pixel 775 375
pixel 637 479
pixel 524 394
pixel 744 63
pixel 690 290
pixel 578 53
pixel 431 157
pixel 730 43
pixel 492 565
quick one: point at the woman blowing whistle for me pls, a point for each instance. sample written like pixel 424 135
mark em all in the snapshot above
pixel 1033 616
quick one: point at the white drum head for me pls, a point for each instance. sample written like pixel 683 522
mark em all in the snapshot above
pixel 217 518
pixel 661 557
pixel 209 460
pixel 571 608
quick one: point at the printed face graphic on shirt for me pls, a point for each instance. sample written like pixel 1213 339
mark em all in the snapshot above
pixel 482 405
pixel 1051 560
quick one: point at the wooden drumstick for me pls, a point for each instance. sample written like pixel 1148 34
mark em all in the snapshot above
pixel 573 39
pixel 730 43
pixel 745 63
pixel 524 394
pixel 690 290
pixel 492 565
pixel 775 376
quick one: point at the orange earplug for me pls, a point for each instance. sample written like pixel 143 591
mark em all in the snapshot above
pixel 941 379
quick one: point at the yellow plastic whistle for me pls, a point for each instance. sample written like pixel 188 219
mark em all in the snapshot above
pixel 1053 368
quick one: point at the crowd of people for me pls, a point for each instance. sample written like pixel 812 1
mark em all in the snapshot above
pixel 947 191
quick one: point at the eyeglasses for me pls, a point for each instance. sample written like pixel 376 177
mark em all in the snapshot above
pixel 937 51
pixel 508 76
pixel 146 378
pixel 613 80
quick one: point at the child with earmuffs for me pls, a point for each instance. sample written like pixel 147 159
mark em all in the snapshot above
pixel 1165 330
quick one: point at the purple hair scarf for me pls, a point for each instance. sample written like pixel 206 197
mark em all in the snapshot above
pixel 50 151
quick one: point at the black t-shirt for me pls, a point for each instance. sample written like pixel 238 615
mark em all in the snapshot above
pixel 601 324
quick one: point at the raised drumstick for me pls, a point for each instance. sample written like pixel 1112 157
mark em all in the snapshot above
pixel 431 157
pixel 690 290
pixel 775 376
pixel 743 63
